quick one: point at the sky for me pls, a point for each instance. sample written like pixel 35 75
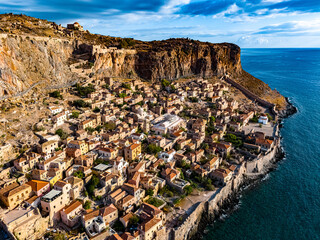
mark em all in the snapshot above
pixel 247 23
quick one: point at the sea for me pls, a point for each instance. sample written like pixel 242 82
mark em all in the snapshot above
pixel 286 203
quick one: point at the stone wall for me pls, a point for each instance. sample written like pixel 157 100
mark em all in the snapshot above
pixel 206 212
pixel 249 94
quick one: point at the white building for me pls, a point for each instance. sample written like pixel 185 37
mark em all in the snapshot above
pixel 60 118
pixel 167 156
pixel 167 123
pixel 55 110
pixel 263 119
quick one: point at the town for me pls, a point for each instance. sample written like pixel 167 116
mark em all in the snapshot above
pixel 126 159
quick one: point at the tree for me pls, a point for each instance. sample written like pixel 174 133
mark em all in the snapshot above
pixel 194 99
pixel 122 95
pixel 126 86
pixel 236 141
pixel 78 174
pixel 188 190
pixel 165 83
pixel 270 118
pixel 75 114
pixel 90 129
pixel 109 126
pixel 56 94
pixel 87 205
pixel 150 192
pixel 80 103
pixel 94 181
pixel 177 147
pixel 134 220
pixel 84 91
pixel 62 134
pixel 153 149
pixel 96 110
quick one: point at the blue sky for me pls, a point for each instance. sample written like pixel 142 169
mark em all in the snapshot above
pixel 248 23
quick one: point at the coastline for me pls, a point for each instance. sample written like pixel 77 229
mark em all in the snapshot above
pixel 224 200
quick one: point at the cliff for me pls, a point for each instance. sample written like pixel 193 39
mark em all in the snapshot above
pixel 38 54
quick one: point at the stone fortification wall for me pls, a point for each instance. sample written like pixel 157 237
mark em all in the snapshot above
pixel 249 94
pixel 206 212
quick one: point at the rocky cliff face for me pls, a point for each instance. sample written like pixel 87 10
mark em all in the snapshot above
pixel 189 58
pixel 27 61
pixel 37 55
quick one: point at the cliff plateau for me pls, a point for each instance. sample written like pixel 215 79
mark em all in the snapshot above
pixel 37 54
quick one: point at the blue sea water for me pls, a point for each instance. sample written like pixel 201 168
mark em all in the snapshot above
pixel 287 204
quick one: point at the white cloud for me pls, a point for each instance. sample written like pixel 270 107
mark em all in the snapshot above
pixel 173 6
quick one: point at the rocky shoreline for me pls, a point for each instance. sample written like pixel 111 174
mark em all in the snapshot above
pixel 228 197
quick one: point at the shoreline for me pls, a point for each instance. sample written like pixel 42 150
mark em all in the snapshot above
pixel 225 200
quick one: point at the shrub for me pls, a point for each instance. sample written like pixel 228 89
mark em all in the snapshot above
pixel 84 91
pixel 96 110
pixel 155 201
pixel 149 192
pixel 62 134
pixel 153 149
pixel 80 103
pixel 56 94
pixel 87 205
pixel 75 114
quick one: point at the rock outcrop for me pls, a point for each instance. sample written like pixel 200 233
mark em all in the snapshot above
pixel 30 59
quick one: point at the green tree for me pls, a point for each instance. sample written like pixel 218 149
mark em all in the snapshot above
pixel 56 94
pixel 149 192
pixel 188 190
pixel 62 134
pixel 87 205
pixel 78 174
pixel 109 126
pixel 75 114
pixel 80 103
pixel 236 141
pixel 134 220
pixel 165 83
pixel 96 110
pixel 84 91
pixel 153 149
pixel 122 95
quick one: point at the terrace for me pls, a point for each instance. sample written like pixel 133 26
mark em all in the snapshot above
pixel 51 196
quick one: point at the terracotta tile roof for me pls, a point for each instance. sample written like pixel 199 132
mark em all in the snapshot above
pixel 127 217
pixel 32 199
pixel 72 206
pixel 150 209
pixel 127 236
pixel 18 189
pixel 147 225
pixel 134 146
pixel 37 185
pixel 91 215
pixel 8 188
pixel 60 183
pixel 115 237
pixel 107 210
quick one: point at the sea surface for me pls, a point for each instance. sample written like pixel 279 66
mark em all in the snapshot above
pixel 286 205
